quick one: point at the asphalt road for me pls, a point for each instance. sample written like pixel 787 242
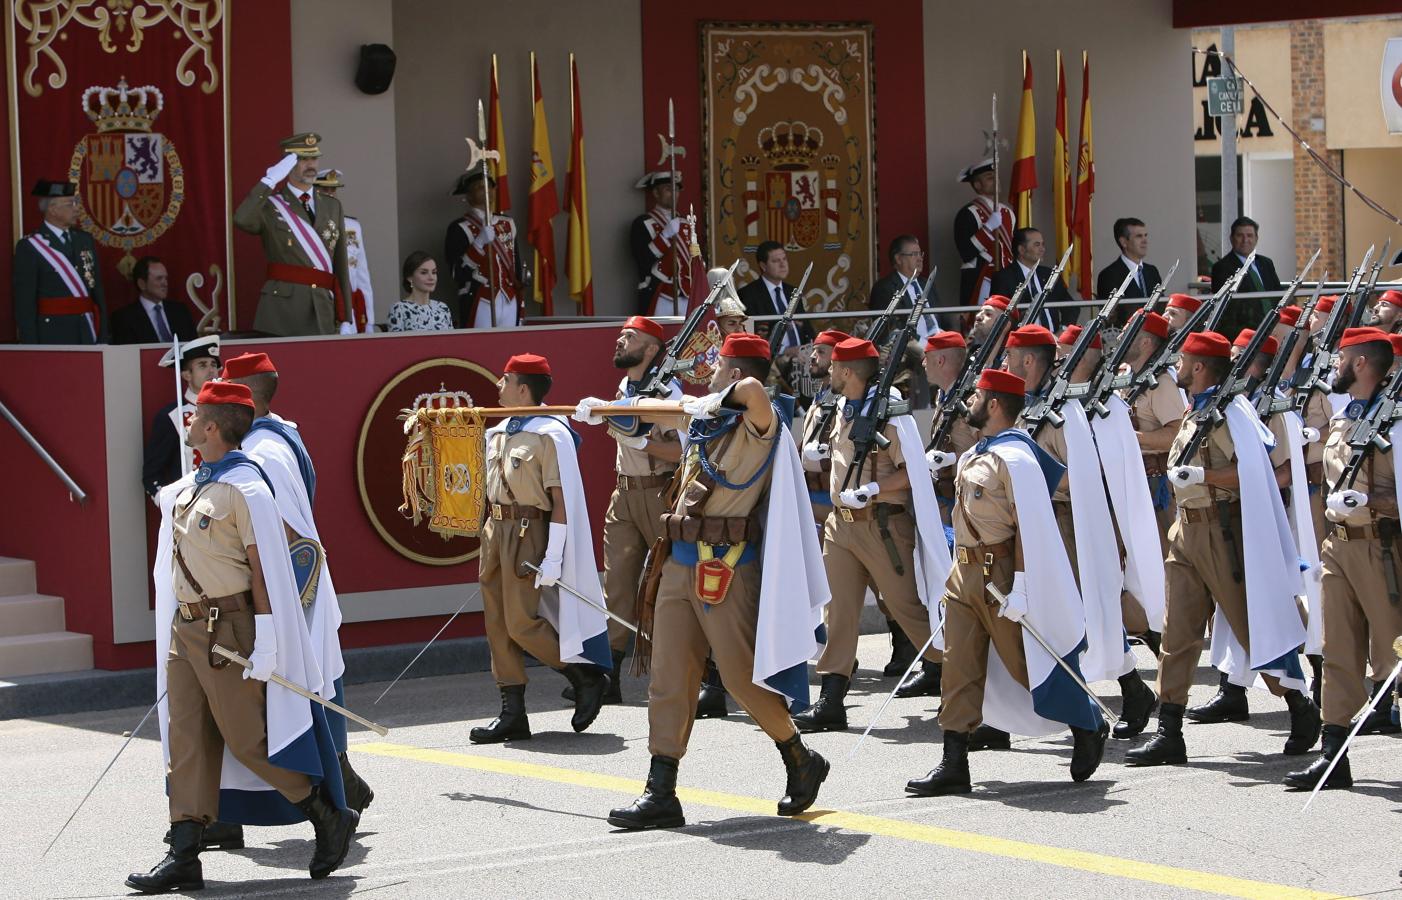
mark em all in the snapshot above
pixel 451 819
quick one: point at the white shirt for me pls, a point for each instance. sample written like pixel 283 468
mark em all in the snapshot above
pixel 309 191
pixel 151 306
pixel 60 233
pixel 1138 269
pixel 1029 274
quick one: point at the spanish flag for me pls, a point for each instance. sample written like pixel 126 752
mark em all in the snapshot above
pixel 496 140
pixel 1085 188
pixel 1061 168
pixel 544 202
pixel 1024 177
pixel 578 266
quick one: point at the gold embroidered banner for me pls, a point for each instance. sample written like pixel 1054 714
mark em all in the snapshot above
pixel 789 152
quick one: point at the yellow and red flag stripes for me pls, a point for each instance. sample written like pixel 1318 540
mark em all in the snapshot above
pixel 544 202
pixel 1061 167
pixel 496 140
pixel 1085 188
pixel 1024 177
pixel 578 263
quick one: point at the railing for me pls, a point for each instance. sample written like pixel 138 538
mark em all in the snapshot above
pixel 73 489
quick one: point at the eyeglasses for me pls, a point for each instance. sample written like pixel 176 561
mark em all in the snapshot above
pixel 911 253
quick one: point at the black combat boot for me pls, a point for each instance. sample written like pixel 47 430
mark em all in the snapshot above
pixel 658 807
pixel 511 724
pixel 1229 705
pixel 951 776
pixel 1088 750
pixel 334 829
pixel 902 651
pixel 180 870
pixel 1379 721
pixel 925 683
pixel 1166 747
pixel 806 770
pixel 1304 724
pixel 614 695
pixel 1154 641
pixel 358 793
pixel 218 836
pixel 986 737
pixel 1316 677
pixel 589 683
pixel 710 703
pixel 1139 703
pixel 1342 776
pixel 829 713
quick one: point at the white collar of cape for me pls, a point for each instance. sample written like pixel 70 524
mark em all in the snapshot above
pixel 289 716
pixel 574 620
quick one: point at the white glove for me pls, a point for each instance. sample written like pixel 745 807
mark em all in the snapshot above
pixel 704 407
pixel 550 567
pixel 484 237
pixel 636 442
pixel 856 498
pixel 1346 501
pixel 279 171
pixel 348 327
pixel 264 655
pixel 816 452
pixel 672 228
pixel 1187 476
pixel 994 222
pixel 1016 607
pixel 584 411
pixel 1311 435
pixel 939 459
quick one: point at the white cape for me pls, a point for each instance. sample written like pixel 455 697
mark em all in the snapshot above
pixel 932 559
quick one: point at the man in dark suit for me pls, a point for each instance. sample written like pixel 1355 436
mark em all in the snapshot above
pixel 770 295
pixel 1246 312
pixel 906 260
pixel 1132 236
pixel 152 319
pixel 1028 249
pixel 57 287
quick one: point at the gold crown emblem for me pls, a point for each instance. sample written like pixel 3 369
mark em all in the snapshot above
pixel 790 145
pixel 123 108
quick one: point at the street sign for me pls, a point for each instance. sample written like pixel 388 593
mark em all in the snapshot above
pixel 1225 97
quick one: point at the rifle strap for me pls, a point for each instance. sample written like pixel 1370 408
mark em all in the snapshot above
pixel 883 525
pixel 1387 537
pixel 1224 520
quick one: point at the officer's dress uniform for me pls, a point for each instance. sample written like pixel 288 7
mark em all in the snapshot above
pixel 479 278
pixel 47 311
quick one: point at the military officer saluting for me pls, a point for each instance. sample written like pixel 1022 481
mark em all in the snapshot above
pixel 56 282
pixel 308 289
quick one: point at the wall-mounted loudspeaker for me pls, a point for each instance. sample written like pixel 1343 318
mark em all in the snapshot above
pixel 376 68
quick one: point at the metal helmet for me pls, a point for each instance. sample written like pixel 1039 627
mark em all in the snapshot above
pixel 729 303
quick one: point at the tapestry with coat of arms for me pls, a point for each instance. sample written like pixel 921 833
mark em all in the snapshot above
pixel 789 152
pixel 127 99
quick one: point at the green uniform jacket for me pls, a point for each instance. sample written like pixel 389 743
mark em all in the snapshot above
pixel 286 309
pixel 34 278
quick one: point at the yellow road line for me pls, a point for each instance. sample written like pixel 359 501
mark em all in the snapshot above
pixel 1206 882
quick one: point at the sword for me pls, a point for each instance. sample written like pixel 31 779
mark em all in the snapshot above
pixel 275 678
pixel 1075 676
pixel 569 590
pixel 131 735
pixel 426 646
pixel 891 696
pixel 1358 725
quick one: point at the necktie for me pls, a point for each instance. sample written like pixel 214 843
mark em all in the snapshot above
pixel 1256 279
pixel 307 204
pixel 162 327
pixel 1139 279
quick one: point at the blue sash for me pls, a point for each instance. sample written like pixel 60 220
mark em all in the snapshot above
pixel 293 439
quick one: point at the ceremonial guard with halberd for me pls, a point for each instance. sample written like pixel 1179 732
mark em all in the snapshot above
pixel 661 243
pixel 983 233
pixel 161 458
pixel 485 262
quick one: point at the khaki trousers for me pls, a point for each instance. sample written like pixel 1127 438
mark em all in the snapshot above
pixel 213 708
pixel 1199 573
pixel 855 556
pixel 632 523
pixel 1360 622
pixel 683 630
pixel 971 623
pixel 511 602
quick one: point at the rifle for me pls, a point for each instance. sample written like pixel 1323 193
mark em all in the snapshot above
pixel 1034 309
pixel 1235 282
pixel 1372 431
pixel 827 407
pixel 1269 403
pixel 1107 378
pixel 1313 376
pixel 868 424
pixel 659 382
pixel 781 327
pixel 1357 315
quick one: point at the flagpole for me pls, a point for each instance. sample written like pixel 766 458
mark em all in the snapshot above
pixel 180 404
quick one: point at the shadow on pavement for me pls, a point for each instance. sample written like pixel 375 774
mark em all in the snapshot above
pixel 460 797
pixel 790 839
pixel 568 743
pixel 1049 796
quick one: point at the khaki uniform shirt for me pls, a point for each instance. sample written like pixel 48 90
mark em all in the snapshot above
pixel 1053 441
pixel 1374 478
pixel 737 456
pixel 637 462
pixel 212 531
pixel 521 469
pixel 1317 413
pixel 983 502
pixel 879 463
pixel 1217 452
pixel 1159 406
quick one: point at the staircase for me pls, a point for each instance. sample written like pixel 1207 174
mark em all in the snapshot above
pixel 32 638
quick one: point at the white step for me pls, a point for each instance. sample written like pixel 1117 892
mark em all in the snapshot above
pixel 16 577
pixel 44 654
pixel 30 614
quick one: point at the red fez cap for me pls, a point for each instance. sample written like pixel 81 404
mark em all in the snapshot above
pixel 997 301
pixel 742 344
pixel 944 340
pixel 1032 336
pixel 1325 304
pixel 645 325
pixel 1208 343
pixel 1393 297
pixel 1269 346
pixel 1001 382
pixel 854 348
pixel 1154 324
pixel 832 337
pixel 1072 333
pixel 246 365
pixel 1396 340
pixel 1290 315
pixel 217 393
pixel 528 364
pixel 1184 301
pixel 1365 335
